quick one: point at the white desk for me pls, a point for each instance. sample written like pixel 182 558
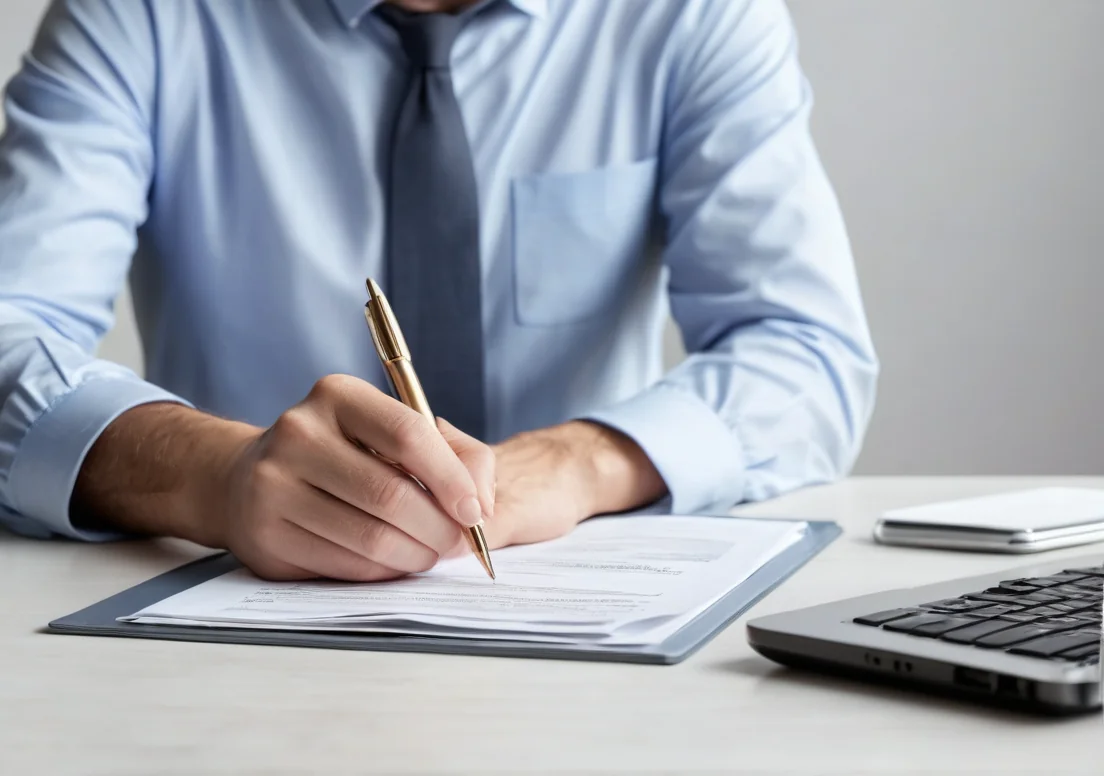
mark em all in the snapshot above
pixel 119 706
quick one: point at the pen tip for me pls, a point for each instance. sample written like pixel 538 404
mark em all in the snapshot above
pixel 485 562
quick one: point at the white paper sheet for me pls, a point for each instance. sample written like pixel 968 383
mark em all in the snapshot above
pixel 624 580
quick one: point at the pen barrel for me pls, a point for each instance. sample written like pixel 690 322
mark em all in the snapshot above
pixel 477 541
pixel 409 388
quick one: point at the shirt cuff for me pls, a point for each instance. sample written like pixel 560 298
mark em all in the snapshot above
pixel 50 456
pixel 692 448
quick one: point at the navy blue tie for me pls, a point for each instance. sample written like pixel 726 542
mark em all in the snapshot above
pixel 433 275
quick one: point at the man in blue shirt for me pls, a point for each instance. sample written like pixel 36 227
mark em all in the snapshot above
pixel 249 163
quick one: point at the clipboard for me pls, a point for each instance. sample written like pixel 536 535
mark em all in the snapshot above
pixel 100 619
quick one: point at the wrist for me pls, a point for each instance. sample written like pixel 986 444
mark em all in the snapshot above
pixel 159 469
pixel 616 474
pixel 205 492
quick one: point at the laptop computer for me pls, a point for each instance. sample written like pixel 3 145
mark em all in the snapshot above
pixel 1028 637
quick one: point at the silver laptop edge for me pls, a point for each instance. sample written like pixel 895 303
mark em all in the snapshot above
pixel 824 636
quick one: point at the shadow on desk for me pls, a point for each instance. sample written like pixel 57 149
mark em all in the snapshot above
pixel 932 700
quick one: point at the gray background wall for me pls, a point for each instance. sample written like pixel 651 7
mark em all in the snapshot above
pixel 963 138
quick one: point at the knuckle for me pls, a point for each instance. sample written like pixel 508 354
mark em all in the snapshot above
pixel 392 494
pixel 484 457
pixel 410 432
pixel 295 427
pixel 376 540
pixel 330 387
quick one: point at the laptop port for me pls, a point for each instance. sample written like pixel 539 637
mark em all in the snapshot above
pixel 1009 685
pixel 975 679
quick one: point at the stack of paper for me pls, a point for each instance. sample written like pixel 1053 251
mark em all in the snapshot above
pixel 613 581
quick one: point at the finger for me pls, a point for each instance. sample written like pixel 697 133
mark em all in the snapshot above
pixel 460 549
pixel 394 430
pixel 479 460
pixel 275 570
pixel 495 531
pixel 367 536
pixel 323 558
pixel 370 487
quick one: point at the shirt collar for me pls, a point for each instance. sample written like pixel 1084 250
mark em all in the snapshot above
pixel 352 11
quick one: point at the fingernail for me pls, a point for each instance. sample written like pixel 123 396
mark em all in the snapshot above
pixel 468 511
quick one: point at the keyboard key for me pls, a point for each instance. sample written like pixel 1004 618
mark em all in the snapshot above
pixel 970 633
pixel 995 610
pixel 881 617
pixel 1063 621
pixel 1070 591
pixel 1090 615
pixel 934 629
pixel 1072 605
pixel 1020 633
pixel 1019 586
pixel 1028 616
pixel 1080 653
pixel 1048 646
pixel 1003 597
pixel 955 605
pixel 1089 583
pixel 1011 590
pixel 1049 610
pixel 1057 579
pixel 1092 571
pixel 908 624
pixel 1041 597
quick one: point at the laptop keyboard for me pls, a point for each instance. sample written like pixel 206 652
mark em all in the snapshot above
pixel 1057 617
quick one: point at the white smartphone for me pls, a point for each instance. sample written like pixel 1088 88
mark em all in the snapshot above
pixel 1020 522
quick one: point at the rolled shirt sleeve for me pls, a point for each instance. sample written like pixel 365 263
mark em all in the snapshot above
pixel 75 169
pixel 779 383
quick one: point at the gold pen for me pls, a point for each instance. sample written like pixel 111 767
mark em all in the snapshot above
pixel 392 350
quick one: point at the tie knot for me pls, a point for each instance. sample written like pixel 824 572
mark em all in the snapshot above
pixel 427 38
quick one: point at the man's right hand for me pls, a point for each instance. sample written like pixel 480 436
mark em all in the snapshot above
pixel 303 498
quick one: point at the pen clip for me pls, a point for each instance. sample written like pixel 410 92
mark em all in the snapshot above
pixel 386 335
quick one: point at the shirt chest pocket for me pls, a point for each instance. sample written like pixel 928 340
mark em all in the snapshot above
pixel 579 239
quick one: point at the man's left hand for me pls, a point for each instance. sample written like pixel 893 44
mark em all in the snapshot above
pixel 550 480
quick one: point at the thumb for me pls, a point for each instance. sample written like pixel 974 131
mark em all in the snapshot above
pixel 495 530
pixel 477 458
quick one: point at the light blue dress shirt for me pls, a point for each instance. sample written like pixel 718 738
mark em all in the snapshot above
pixel 632 156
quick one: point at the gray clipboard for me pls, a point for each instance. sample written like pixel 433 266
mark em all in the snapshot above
pixel 101 619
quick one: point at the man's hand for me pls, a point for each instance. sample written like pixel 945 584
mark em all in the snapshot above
pixel 548 481
pixel 307 497
pixel 304 498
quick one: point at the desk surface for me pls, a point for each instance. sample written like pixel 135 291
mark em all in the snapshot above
pixel 98 705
